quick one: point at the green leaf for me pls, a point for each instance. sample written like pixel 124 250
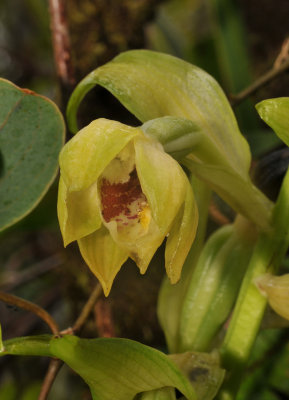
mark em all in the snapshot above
pixel 31 136
pixel 153 85
pixel 275 112
pixel 113 368
pixel 232 54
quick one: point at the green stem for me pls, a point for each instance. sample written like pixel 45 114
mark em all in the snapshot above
pixel 28 346
pixel 249 311
pixel 235 189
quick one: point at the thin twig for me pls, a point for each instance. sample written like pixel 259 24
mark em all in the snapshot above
pixel 61 42
pixel 53 369
pixel 281 65
pixel 86 310
pixel 55 364
pixel 34 308
pixel 263 80
pixel 283 55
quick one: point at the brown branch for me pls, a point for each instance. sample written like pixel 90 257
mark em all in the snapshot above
pixel 61 42
pixel 53 369
pixel 86 310
pixel 103 319
pixel 29 306
pixel 281 65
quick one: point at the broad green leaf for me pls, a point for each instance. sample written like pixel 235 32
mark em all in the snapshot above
pixel 31 137
pixel 275 112
pixel 153 85
pixel 113 368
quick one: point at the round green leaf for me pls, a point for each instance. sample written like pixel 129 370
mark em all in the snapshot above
pixel 31 136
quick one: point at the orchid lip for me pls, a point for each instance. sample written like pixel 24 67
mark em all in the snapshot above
pixel 123 202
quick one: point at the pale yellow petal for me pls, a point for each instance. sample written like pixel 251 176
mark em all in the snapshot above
pixel 276 288
pixel 141 248
pixel 103 256
pixel 61 207
pixel 181 237
pixel 78 212
pixel 86 155
pixel 162 180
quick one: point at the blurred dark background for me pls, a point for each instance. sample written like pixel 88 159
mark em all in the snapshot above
pixel 235 41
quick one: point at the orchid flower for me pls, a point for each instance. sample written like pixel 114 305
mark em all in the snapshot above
pixel 120 196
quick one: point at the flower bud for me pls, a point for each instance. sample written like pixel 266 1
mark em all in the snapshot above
pixel 276 289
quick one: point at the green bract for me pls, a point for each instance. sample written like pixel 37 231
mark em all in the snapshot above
pixel 275 113
pixel 120 195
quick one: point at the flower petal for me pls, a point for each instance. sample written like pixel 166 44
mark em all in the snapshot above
pixel 86 155
pixel 141 248
pixel 276 288
pixel 78 212
pixel 162 180
pixel 103 256
pixel 61 207
pixel 181 237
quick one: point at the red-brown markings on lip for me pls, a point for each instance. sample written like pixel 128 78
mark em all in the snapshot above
pixel 117 197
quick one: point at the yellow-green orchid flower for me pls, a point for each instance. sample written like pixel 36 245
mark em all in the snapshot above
pixel 120 195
